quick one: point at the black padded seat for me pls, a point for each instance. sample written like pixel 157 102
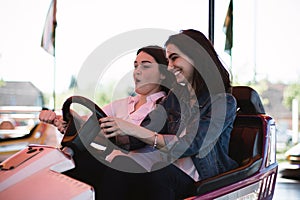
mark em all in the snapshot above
pixel 246 142
pixel 248 100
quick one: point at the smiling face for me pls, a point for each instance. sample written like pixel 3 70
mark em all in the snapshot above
pixel 179 64
pixel 147 77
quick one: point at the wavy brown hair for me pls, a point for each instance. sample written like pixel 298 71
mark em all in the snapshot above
pixel 209 68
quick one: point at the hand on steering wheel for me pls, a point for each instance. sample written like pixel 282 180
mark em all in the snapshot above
pixel 79 136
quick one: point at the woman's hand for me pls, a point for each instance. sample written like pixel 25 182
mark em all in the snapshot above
pixel 48 116
pixel 112 126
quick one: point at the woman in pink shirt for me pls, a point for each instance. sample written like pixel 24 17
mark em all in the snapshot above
pixel 152 82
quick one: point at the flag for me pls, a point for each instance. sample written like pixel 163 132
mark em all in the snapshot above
pixel 227 28
pixel 48 38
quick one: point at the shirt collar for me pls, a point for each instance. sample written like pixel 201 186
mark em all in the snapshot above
pixel 151 98
pixel 154 97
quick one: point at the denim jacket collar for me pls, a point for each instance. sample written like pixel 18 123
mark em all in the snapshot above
pixel 185 96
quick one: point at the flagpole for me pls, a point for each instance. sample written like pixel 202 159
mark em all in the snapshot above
pixel 254 48
pixel 228 30
pixel 54 53
pixel 48 42
pixel 54 82
pixel 211 20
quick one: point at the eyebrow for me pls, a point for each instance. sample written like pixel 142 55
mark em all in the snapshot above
pixel 172 54
pixel 144 61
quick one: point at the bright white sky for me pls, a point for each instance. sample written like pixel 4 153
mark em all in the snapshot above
pixel 83 25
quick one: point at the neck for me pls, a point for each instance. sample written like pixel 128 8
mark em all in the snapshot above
pixel 143 97
pixel 142 100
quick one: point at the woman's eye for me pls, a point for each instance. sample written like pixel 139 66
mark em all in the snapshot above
pixel 173 58
pixel 143 66
pixel 146 66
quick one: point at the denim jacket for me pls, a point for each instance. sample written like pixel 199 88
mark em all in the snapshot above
pixel 206 129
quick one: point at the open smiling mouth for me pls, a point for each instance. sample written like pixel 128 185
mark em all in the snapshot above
pixel 177 72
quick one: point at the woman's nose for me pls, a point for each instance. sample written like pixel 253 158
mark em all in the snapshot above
pixel 170 66
pixel 137 70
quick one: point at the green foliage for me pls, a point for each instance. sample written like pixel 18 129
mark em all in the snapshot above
pixel 103 95
pixel 292 92
pixel 102 99
pixel 2 82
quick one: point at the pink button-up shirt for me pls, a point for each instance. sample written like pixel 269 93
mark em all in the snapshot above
pixel 124 108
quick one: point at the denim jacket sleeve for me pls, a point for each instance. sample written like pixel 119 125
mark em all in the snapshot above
pixel 217 114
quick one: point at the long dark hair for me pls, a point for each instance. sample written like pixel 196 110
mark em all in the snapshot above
pixel 198 48
pixel 158 53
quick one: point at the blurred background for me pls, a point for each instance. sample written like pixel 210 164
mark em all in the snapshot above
pixel 263 51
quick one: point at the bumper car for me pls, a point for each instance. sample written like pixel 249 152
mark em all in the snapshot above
pixel 38 171
pixel 20 126
pixel 291 169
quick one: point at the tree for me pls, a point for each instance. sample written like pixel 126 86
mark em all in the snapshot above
pixel 2 82
pixel 292 92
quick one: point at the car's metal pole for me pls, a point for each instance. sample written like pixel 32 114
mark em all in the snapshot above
pixel 211 20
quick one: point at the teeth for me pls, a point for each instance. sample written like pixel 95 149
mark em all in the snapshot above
pixel 176 73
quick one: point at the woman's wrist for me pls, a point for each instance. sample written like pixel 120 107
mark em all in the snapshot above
pixel 155 140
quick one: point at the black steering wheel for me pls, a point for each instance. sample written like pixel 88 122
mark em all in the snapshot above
pixel 79 134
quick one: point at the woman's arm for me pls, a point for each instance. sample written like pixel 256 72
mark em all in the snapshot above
pixel 215 118
pixel 201 134
pixel 50 117
pixel 114 126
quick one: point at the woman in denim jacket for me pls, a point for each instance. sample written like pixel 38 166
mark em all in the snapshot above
pixel 192 127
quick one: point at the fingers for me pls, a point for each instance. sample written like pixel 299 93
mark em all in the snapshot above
pixel 106 119
pixel 60 124
pixel 109 127
pixel 107 122
pixel 47 116
pixel 61 129
pixel 112 134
